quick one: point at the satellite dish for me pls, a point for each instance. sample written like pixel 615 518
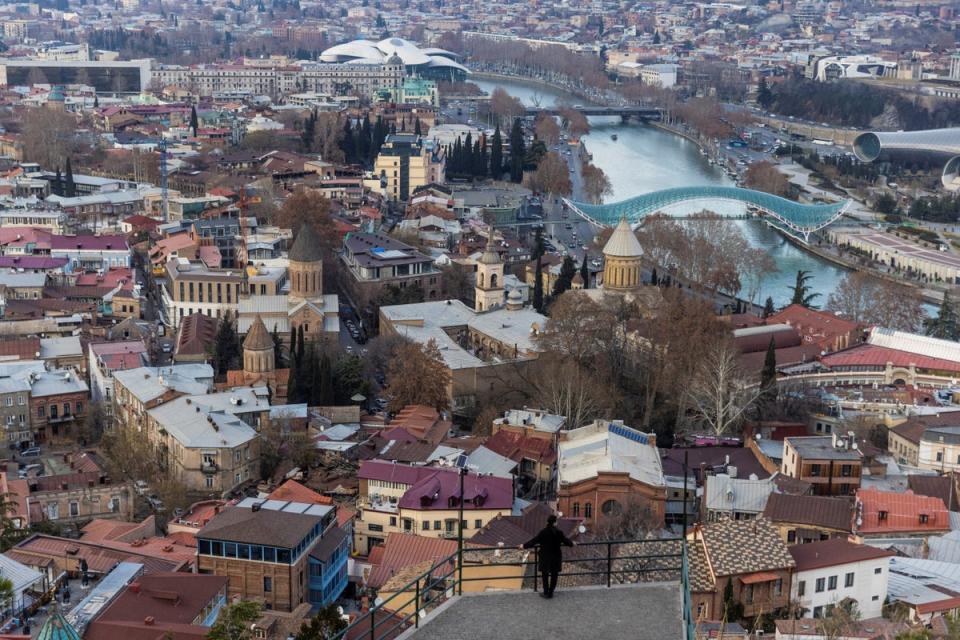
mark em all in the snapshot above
pixel 378 601
pixel 582 529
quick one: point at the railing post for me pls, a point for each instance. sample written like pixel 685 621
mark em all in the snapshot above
pixel 536 569
pixel 609 561
pixel 373 623
pixel 416 606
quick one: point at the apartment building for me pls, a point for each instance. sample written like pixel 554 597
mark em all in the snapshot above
pixel 192 287
pixel 405 162
pixel 832 464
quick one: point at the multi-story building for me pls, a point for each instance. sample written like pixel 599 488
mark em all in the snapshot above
pixel 112 76
pixel 209 442
pixel 424 501
pixel 832 464
pixel 606 469
pixel 333 79
pixel 135 391
pixel 831 571
pixel 104 358
pixel 58 401
pixel 192 287
pixel 747 554
pixel 275 551
pixel 15 405
pixel 222 233
pixel 375 261
pixel 407 161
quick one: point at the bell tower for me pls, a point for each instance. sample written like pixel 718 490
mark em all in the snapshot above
pixel 488 292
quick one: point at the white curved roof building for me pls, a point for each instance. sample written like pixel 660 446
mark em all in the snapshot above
pixel 426 62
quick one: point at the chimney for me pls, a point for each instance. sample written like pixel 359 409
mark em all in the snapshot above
pixel 135 587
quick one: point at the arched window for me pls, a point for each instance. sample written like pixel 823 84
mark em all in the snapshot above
pixel 588 510
pixel 493 281
pixel 480 279
pixel 576 509
pixel 611 508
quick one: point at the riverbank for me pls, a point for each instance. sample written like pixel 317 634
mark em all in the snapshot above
pixel 531 82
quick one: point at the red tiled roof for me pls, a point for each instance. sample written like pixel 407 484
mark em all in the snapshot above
pixel 293 491
pixel 516 446
pixel 902 512
pixel 812 322
pixel 829 553
pixel 868 355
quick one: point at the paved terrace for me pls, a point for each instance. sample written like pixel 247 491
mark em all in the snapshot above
pixel 648 611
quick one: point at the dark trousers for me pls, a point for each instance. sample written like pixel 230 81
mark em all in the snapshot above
pixel 550 576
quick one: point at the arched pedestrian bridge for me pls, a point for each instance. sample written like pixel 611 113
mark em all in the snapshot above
pixel 800 220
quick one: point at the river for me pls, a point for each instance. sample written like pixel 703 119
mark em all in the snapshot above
pixel 645 159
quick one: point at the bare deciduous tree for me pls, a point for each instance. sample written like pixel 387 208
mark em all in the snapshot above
pixel 719 392
pixel 864 298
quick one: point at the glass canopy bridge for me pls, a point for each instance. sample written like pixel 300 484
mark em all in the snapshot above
pixel 799 220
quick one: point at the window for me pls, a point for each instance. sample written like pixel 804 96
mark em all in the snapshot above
pixel 791 536
pixel 878 571
pixel 802 588
pixel 66 409
pixel 939 456
pixel 74 508
pixel 611 508
pixel 818 612
pixel 79 408
pixel 267 584
pixel 426 525
pixel 924 518
pixel 53 411
pixel 821 584
pixel 21 400
pixel 748 593
pixel 393 521
pixel 41 411
pixel 478 524
pixel 882 516
pixel 375 527
pixel 832 583
pixel 208 481
pixel 778 587
pixel 576 509
pixel 588 510
pixel 114 504
pixel 875 598
pixel 848 580
pixel 53 511
pixel 846 470
pixel 436 525
pixel 9 401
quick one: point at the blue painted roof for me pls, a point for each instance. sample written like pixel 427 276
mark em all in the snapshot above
pixel 802 218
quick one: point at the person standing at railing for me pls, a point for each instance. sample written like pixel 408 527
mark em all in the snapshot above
pixel 549 542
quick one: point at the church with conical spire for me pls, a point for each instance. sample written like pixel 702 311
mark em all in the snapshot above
pixel 623 270
pixel 299 301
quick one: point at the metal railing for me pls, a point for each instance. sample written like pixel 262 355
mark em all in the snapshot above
pixel 593 564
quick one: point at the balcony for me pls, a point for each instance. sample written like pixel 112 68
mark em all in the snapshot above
pixel 636 590
pixel 209 467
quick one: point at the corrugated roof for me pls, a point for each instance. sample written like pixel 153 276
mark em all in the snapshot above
pixel 815 511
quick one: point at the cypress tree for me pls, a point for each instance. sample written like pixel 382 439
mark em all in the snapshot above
pixel 585 272
pixel 476 168
pixel 484 162
pixel 567 270
pixel 326 381
pixel 416 128
pixel 517 151
pixel 71 186
pixel 768 308
pixel 293 387
pixel 57 187
pixel 653 277
pixel 768 375
pixel 300 346
pixel 538 286
pixel 496 154
pixel 194 122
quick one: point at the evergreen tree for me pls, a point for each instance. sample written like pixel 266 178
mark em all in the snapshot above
pixel 70 189
pixel 656 37
pixel 277 348
pixel 300 346
pixel 194 122
pixel 585 272
pixel 538 286
pixel 946 325
pixel 326 382
pixel 293 387
pixel 57 186
pixel 496 154
pixel 768 375
pixel 538 248
pixel 226 346
pixel 96 101
pixel 484 162
pixel 466 160
pixel 476 166
pixel 517 151
pixel 567 270
pixel 764 95
pixel 802 292
pixel 653 277
pixel 417 130
pixel 347 143
pixel 768 308
pixel 732 610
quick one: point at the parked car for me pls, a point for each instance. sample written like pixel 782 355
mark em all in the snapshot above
pixel 32 452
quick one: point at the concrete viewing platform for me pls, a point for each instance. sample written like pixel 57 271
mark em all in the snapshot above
pixel 647 611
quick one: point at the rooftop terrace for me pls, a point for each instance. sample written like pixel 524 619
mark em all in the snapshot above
pixel 597 612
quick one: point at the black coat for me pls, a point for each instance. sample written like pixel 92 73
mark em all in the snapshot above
pixel 549 542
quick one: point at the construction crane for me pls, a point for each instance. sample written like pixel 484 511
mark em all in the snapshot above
pixel 164 193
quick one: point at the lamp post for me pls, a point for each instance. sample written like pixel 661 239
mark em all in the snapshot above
pixel 462 472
